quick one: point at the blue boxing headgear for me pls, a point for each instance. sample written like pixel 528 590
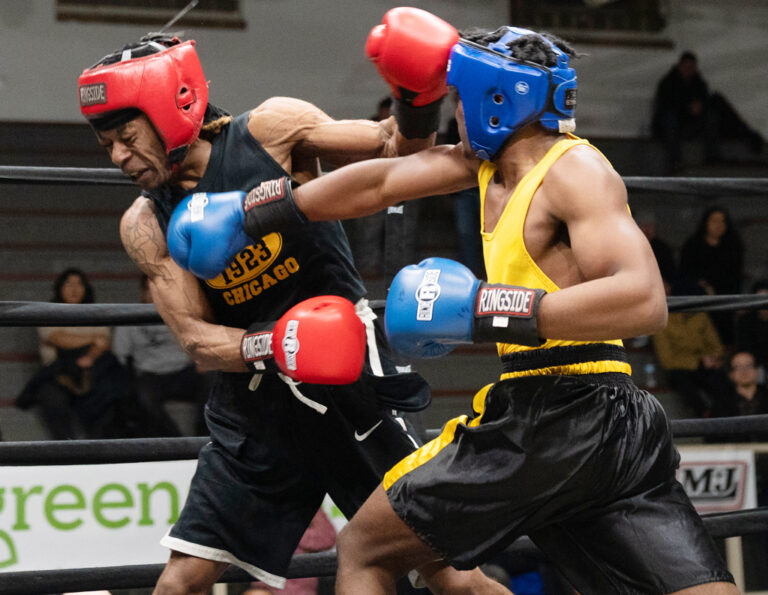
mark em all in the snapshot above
pixel 500 94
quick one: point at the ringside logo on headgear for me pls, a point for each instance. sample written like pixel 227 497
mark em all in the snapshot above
pixel 159 76
pixel 500 94
pixel 93 94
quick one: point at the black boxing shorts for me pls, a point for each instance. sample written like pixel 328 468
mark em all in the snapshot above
pixel 262 477
pixel 583 465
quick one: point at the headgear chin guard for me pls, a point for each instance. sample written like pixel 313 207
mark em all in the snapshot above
pixel 161 77
pixel 500 94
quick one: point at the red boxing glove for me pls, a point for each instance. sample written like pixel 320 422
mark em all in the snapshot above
pixel 411 50
pixel 320 341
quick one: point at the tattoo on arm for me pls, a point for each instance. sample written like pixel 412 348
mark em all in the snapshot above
pixel 145 243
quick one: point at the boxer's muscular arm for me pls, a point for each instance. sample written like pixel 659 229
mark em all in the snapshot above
pixel 622 294
pixel 373 185
pixel 177 294
pixel 295 132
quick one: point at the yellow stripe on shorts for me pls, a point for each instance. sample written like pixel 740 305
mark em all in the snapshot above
pixel 433 447
pixel 595 367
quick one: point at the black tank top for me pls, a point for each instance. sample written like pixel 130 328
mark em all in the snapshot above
pixel 280 269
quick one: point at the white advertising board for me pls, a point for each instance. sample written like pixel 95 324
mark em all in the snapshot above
pixel 718 480
pixel 80 516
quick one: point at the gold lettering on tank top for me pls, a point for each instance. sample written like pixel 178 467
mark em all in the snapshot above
pixel 254 270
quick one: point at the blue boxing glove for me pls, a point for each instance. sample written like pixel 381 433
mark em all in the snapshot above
pixel 208 229
pixel 206 232
pixel 438 304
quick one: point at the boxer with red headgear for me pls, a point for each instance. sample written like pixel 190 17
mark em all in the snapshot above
pixel 160 77
pixel 277 446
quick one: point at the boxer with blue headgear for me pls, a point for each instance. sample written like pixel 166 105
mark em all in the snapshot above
pixel 563 447
pixel 502 93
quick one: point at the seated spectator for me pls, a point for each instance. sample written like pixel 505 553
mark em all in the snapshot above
pixel 684 109
pixel 690 352
pixel 161 372
pixel 713 256
pixel 81 382
pixel 743 395
pixel 752 330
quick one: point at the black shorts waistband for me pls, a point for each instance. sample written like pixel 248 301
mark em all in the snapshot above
pixel 561 356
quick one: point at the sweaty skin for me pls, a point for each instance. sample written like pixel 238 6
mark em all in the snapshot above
pixel 297 135
pixel 578 229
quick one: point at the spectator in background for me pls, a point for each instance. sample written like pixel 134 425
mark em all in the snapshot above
pixel 752 330
pixel 81 382
pixel 684 109
pixel 745 395
pixel 690 352
pixel 161 372
pixel 466 211
pixel 713 256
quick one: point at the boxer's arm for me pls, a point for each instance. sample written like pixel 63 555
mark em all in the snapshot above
pixel 371 186
pixel 177 294
pixel 622 294
pixel 295 132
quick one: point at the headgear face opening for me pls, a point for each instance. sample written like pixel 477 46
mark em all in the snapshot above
pixel 161 77
pixel 500 94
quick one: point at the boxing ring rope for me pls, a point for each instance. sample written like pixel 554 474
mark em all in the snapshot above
pixel 10 174
pixel 17 313
pixel 719 525
pixel 143 450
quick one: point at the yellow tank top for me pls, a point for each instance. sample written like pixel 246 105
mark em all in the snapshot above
pixel 507 261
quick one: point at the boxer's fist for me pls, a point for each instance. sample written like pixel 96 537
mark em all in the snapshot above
pixel 410 50
pixel 320 341
pixel 206 232
pixel 429 308
pixel 437 304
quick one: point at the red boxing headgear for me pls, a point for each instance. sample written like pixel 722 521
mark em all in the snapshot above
pixel 167 85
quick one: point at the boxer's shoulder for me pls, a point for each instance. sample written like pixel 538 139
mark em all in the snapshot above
pixel 581 179
pixel 140 231
pixel 277 117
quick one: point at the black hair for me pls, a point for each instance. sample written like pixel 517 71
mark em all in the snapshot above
pixel 88 297
pixel 760 284
pixel 688 55
pixel 530 48
pixel 730 238
pixel 736 351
